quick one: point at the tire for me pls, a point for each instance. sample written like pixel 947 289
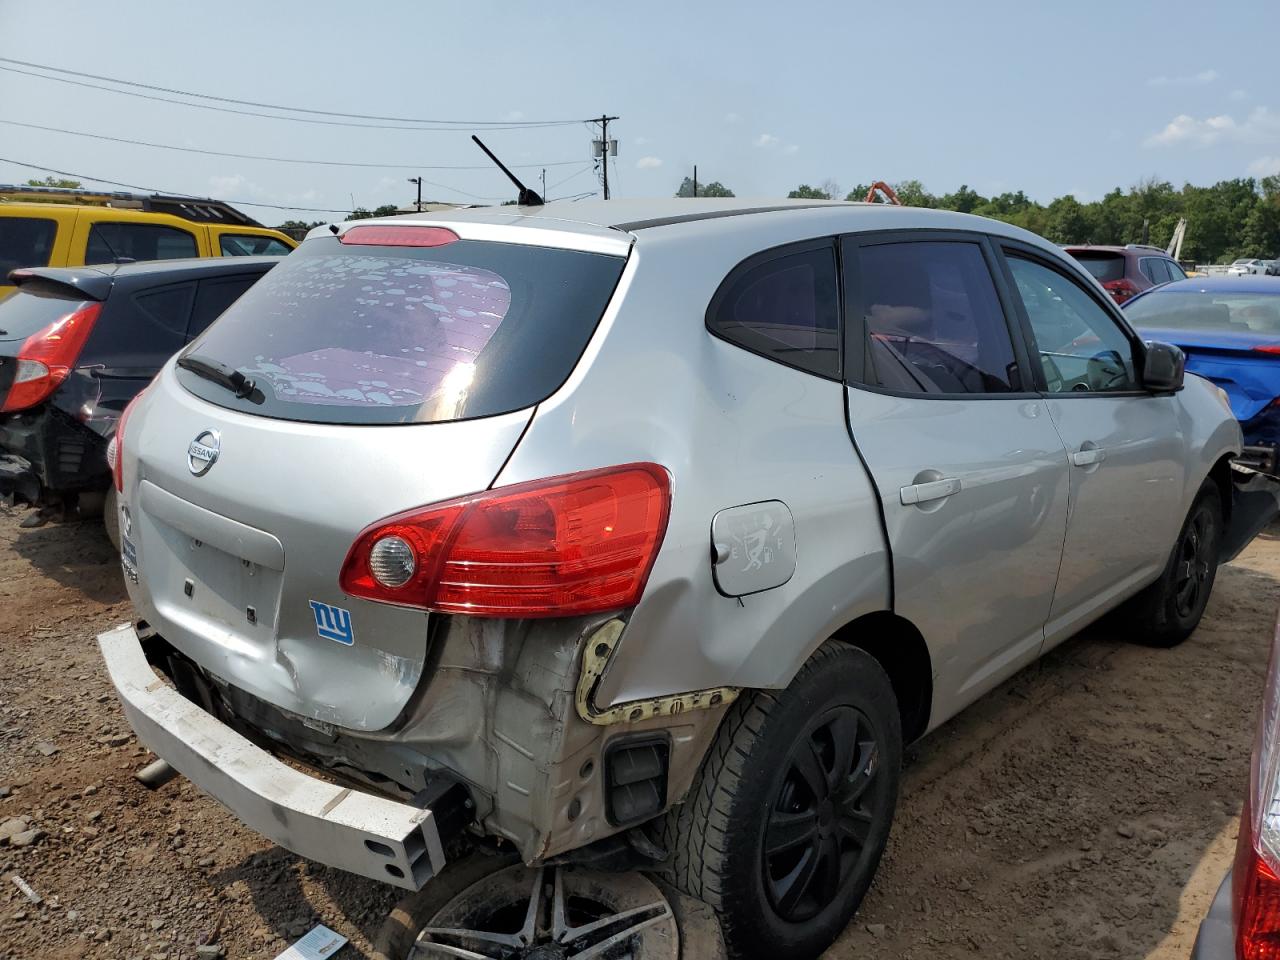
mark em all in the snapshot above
pixel 754 784
pixel 111 517
pixel 1165 613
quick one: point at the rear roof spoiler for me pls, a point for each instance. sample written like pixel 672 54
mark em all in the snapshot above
pixel 83 285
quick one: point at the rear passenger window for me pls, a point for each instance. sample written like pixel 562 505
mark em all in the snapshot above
pixel 215 296
pixel 783 306
pixel 25 242
pixel 1175 270
pixel 1150 268
pixel 933 322
pixel 109 242
pixel 168 306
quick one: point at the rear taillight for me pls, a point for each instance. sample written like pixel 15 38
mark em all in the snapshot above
pixel 393 235
pixel 115 449
pixel 46 358
pixel 1271 348
pixel 569 545
pixel 1120 290
pixel 1255 881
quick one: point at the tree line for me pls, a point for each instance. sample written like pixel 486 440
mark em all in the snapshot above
pixel 1230 219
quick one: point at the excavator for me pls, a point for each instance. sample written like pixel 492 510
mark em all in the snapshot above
pixel 879 186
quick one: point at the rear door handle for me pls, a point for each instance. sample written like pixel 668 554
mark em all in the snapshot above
pixel 924 492
pixel 1087 456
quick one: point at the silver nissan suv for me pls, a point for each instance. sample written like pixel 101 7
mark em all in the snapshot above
pixel 643 533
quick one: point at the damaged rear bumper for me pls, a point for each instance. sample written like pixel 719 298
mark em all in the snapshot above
pixel 376 837
pixel 1255 502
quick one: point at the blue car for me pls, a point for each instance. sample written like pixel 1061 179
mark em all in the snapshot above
pixel 1229 328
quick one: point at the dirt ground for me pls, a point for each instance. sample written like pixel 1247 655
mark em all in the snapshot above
pixel 1085 809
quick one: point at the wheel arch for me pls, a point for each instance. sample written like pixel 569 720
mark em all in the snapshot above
pixel 901 650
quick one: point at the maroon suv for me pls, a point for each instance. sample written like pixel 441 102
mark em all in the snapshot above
pixel 1127 271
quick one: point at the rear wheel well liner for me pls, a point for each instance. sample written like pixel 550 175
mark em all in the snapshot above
pixel 901 650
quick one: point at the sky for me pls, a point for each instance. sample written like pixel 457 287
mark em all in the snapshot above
pixel 1048 98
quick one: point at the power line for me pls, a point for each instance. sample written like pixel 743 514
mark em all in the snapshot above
pixel 175 193
pixel 576 173
pixel 492 124
pixel 251 156
pixel 248 113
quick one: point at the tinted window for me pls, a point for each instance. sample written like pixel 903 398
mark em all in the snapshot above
pixel 1194 309
pixel 168 306
pixel 1081 348
pixel 215 296
pixel 1104 266
pixel 1152 269
pixel 1175 270
pixel 359 334
pixel 785 308
pixel 137 241
pixel 29 311
pixel 933 320
pixel 25 242
pixel 247 245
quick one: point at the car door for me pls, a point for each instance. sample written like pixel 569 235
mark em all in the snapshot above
pixel 1126 445
pixel 971 474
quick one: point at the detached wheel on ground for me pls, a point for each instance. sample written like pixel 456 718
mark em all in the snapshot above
pixel 785 824
pixel 1165 613
pixel 491 908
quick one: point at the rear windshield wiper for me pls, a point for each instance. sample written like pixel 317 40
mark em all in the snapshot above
pixel 215 371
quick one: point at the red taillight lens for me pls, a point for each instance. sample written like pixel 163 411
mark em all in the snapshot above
pixel 1255 879
pixel 1120 290
pixel 397 236
pixel 566 546
pixel 1271 348
pixel 47 357
pixel 115 450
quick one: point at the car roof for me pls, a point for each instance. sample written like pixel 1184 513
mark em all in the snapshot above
pixel 612 225
pixel 97 280
pixel 1251 283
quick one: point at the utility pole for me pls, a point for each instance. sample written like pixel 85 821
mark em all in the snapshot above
pixel 604 147
pixel 695 179
pixel 418 181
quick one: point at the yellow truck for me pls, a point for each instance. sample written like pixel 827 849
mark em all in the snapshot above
pixel 61 227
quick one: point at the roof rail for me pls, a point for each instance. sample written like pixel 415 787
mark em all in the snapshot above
pixel 1143 246
pixel 197 209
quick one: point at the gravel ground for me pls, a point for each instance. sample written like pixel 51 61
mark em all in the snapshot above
pixel 1086 808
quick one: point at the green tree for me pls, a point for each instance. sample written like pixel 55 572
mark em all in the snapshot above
pixel 1066 222
pixel 806 192
pixel 913 194
pixel 55 182
pixel 386 210
pixel 964 200
pixel 713 189
pixel 298 228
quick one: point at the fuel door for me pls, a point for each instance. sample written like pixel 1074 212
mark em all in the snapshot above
pixel 753 547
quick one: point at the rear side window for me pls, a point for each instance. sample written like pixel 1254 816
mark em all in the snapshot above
pixel 109 242
pixel 1175 270
pixel 784 306
pixel 168 306
pixel 248 245
pixel 363 334
pixel 215 296
pixel 1105 267
pixel 933 320
pixel 25 242
pixel 1153 270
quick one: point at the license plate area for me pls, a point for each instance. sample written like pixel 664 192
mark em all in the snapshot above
pixel 198 584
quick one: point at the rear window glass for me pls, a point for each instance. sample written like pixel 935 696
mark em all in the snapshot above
pixel 1226 312
pixel 359 334
pixel 28 311
pixel 25 242
pixel 1103 266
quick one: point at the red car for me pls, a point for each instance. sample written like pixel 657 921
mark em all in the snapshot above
pixel 1127 271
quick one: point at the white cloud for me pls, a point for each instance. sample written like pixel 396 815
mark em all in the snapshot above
pixel 514 116
pixel 791 148
pixel 1265 166
pixel 225 186
pixel 766 140
pixel 1238 95
pixel 648 163
pixel 1260 126
pixel 732 118
pixel 640 141
pixel 1191 80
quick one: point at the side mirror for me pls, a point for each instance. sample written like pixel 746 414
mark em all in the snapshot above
pixel 1163 367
